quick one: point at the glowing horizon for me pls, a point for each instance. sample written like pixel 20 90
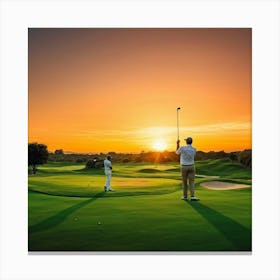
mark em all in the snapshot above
pixel 147 137
pixel 101 90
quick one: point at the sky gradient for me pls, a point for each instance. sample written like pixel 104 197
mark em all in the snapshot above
pixel 109 89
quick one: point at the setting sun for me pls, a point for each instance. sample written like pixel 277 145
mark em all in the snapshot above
pixel 159 145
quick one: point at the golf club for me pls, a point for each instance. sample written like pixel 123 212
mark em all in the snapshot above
pixel 178 108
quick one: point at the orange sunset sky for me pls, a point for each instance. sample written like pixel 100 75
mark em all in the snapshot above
pixel 111 89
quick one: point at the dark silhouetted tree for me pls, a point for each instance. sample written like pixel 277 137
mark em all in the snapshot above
pixel 59 152
pixel 245 158
pixel 37 154
pixel 233 156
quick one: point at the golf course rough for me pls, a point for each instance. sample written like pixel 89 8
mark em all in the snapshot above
pixel 68 209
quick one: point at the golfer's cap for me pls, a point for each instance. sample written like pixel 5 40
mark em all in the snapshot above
pixel 188 139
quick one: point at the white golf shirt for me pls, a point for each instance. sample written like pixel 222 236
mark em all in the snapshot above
pixel 107 165
pixel 187 154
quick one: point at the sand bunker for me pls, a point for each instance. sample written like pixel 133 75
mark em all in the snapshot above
pixel 217 185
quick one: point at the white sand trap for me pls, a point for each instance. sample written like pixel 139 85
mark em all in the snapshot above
pixel 217 185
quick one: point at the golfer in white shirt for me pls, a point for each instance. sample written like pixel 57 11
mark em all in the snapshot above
pixel 108 172
pixel 187 154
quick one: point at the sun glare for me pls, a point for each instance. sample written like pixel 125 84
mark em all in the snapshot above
pixel 159 146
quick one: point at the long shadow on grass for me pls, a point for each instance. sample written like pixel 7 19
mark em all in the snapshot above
pixel 236 233
pixel 61 216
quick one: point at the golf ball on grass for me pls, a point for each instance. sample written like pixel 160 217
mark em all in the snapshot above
pixel 76 219
pixel 99 223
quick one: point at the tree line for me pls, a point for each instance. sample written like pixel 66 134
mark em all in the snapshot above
pixel 39 154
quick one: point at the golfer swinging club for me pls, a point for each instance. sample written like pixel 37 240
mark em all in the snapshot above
pixel 108 172
pixel 187 154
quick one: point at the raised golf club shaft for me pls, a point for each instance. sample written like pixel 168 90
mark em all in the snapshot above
pixel 178 122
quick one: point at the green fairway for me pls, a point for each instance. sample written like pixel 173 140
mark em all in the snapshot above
pixel 69 211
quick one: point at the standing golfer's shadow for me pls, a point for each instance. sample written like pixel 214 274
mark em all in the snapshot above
pixel 61 216
pixel 237 234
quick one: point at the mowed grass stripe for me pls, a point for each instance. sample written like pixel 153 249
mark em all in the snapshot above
pixel 127 225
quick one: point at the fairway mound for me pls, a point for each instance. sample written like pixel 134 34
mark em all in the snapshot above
pixel 218 185
pixel 88 186
pixel 149 170
pixel 173 169
pixel 206 176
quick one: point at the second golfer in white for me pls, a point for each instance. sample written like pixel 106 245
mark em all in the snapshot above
pixel 108 172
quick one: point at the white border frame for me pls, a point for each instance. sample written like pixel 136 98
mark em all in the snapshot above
pixel 17 16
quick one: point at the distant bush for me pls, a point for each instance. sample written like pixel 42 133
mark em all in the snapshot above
pixel 80 160
pixel 91 163
pixel 233 156
pixel 94 163
pixel 99 164
pixel 138 159
pixel 96 160
pixel 245 158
